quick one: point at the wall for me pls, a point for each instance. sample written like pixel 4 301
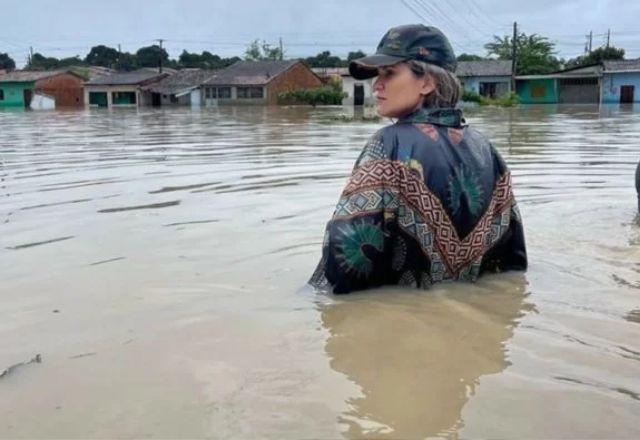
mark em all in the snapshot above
pixel 348 83
pixel 140 99
pixel 525 88
pixel 472 83
pixel 65 88
pixel 297 77
pixel 612 83
pixel 13 93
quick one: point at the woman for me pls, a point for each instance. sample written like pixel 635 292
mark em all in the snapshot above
pixel 429 198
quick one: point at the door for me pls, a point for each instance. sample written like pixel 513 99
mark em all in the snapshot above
pixel 156 99
pixel 27 95
pixel 358 94
pixel 626 94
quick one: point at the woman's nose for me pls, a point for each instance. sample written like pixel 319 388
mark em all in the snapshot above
pixel 378 85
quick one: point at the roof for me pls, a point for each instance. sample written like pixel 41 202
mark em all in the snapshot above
pixel 251 72
pixel 328 71
pixel 622 65
pixel 484 68
pixel 137 77
pixel 30 75
pixel 181 81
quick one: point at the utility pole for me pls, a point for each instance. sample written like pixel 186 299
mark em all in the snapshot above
pixel 514 44
pixel 160 40
pixel 590 41
pixel 608 37
pixel 117 66
pixel 281 53
pixel 30 54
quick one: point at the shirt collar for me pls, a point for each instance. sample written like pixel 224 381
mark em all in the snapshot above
pixel 449 117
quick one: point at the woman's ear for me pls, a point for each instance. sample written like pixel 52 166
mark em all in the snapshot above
pixel 428 85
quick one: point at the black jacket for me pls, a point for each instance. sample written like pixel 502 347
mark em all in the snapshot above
pixel 429 199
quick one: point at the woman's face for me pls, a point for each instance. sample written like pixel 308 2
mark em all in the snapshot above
pixel 398 91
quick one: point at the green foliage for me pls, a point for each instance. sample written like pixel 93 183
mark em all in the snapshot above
pixel 335 82
pixel 506 101
pixel 319 96
pixel 151 56
pixel 469 96
pixel 535 54
pixel 6 62
pixel 262 52
pixel 206 60
pixel 102 55
pixel 469 57
pixel 40 62
pixel 325 59
pixel 597 56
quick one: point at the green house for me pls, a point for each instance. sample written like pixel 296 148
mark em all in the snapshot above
pixel 16 94
pixel 18 87
pixel 537 89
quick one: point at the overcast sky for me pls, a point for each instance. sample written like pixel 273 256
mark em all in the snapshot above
pixel 63 28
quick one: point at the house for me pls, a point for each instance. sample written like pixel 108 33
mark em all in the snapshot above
pixel 123 89
pixel 621 81
pixel 605 82
pixel 489 78
pixel 180 88
pixel 358 91
pixel 41 90
pixel 326 74
pixel 258 82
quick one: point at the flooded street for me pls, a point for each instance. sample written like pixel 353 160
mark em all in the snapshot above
pixel 157 261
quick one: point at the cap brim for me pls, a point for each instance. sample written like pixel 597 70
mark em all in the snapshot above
pixel 367 67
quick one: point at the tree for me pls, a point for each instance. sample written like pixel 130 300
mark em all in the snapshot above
pixel 257 51
pixel 535 54
pixel 102 56
pixel 151 56
pixel 597 56
pixel 355 55
pixel 6 62
pixel 325 59
pixel 70 61
pixel 40 62
pixel 470 57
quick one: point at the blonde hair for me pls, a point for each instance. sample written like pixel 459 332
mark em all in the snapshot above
pixel 447 86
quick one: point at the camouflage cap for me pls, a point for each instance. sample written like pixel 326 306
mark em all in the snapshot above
pixel 408 42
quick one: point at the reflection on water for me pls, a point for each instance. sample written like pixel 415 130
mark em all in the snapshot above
pixel 173 244
pixel 439 345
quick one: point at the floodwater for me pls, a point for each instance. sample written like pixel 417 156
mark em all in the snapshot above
pixel 156 260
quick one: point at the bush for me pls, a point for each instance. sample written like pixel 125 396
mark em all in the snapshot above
pixel 506 101
pixel 319 96
pixel 469 96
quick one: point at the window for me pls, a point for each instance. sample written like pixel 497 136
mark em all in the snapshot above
pixel 1 95
pixel 578 81
pixel 256 92
pixel 124 97
pixel 250 92
pixel 243 92
pixel 538 91
pixel 224 92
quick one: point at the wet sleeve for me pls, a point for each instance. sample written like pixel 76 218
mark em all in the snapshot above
pixel 508 252
pixel 357 239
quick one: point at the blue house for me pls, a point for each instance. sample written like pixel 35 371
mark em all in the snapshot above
pixel 621 81
pixel 489 78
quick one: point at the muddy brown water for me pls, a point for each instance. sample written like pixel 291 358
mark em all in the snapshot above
pixel 157 260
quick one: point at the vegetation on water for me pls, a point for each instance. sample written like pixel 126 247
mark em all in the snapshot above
pixel 506 101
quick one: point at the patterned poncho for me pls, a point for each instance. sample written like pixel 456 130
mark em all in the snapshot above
pixel 429 200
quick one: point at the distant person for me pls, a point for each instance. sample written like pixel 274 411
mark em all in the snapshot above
pixel 429 199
